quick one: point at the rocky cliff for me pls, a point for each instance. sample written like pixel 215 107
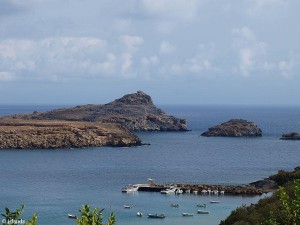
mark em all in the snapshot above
pixel 234 128
pixel 134 111
pixel 291 136
pixel 21 134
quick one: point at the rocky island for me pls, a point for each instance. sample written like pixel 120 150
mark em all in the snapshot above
pixel 23 134
pixel 234 128
pixel 136 112
pixel 291 136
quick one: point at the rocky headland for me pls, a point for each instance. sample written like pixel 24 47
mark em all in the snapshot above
pixel 234 128
pixel 136 112
pixel 23 134
pixel 291 136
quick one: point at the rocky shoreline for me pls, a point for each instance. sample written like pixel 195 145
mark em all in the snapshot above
pixel 27 134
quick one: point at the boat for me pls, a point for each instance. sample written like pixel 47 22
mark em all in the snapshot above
pixel 203 212
pixel 72 216
pixel 170 190
pixel 214 201
pixel 156 215
pixel 222 192
pixel 178 191
pixel 139 214
pixel 175 205
pixel 195 192
pixel 201 205
pixel 127 206
pixel 187 214
pixel 188 191
pixel 130 188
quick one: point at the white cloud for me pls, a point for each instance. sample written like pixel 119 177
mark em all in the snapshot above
pixel 179 9
pixel 131 42
pixel 166 48
pixel 6 76
pixel 127 62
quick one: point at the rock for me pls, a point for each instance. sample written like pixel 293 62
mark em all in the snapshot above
pixel 291 136
pixel 134 111
pixel 266 184
pixel 234 128
pixel 23 134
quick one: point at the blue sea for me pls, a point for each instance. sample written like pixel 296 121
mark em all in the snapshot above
pixel 54 183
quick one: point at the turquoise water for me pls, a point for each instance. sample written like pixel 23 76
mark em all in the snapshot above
pixel 56 182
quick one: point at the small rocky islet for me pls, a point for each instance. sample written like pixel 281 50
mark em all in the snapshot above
pixel 291 136
pixel 234 128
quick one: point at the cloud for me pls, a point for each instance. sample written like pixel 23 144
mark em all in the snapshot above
pixel 131 42
pixel 166 48
pixel 7 76
pixel 179 9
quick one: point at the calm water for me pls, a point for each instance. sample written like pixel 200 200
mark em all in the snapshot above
pixel 56 182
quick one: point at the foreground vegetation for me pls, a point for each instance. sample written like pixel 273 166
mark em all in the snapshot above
pixel 87 217
pixel 282 208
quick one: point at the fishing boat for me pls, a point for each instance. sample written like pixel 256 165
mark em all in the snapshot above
pixel 72 216
pixel 127 206
pixel 187 214
pixel 170 190
pixel 214 201
pixel 175 205
pixel 201 205
pixel 139 214
pixel 178 191
pixel 156 215
pixel 203 212
pixel 130 188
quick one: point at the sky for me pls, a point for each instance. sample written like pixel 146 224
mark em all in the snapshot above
pixel 202 52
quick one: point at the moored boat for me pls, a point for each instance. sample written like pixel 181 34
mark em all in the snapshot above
pixel 140 214
pixel 214 201
pixel 130 188
pixel 156 215
pixel 170 190
pixel 201 205
pixel 127 206
pixel 72 216
pixel 187 214
pixel 175 205
pixel 203 212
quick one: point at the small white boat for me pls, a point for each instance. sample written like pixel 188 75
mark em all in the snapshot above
pixel 170 190
pixel 156 215
pixel 178 191
pixel 203 212
pixel 188 191
pixel 130 188
pixel 187 214
pixel 139 214
pixel 204 192
pixel 195 192
pixel 214 201
pixel 127 206
pixel 175 205
pixel 215 192
pixel 201 205
pixel 222 192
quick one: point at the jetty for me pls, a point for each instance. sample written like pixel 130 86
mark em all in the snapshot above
pixel 206 189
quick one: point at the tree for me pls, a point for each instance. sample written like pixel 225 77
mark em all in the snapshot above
pixel 290 208
pixel 94 217
pixel 14 217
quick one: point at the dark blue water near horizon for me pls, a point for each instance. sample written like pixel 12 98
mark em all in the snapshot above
pixel 56 182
